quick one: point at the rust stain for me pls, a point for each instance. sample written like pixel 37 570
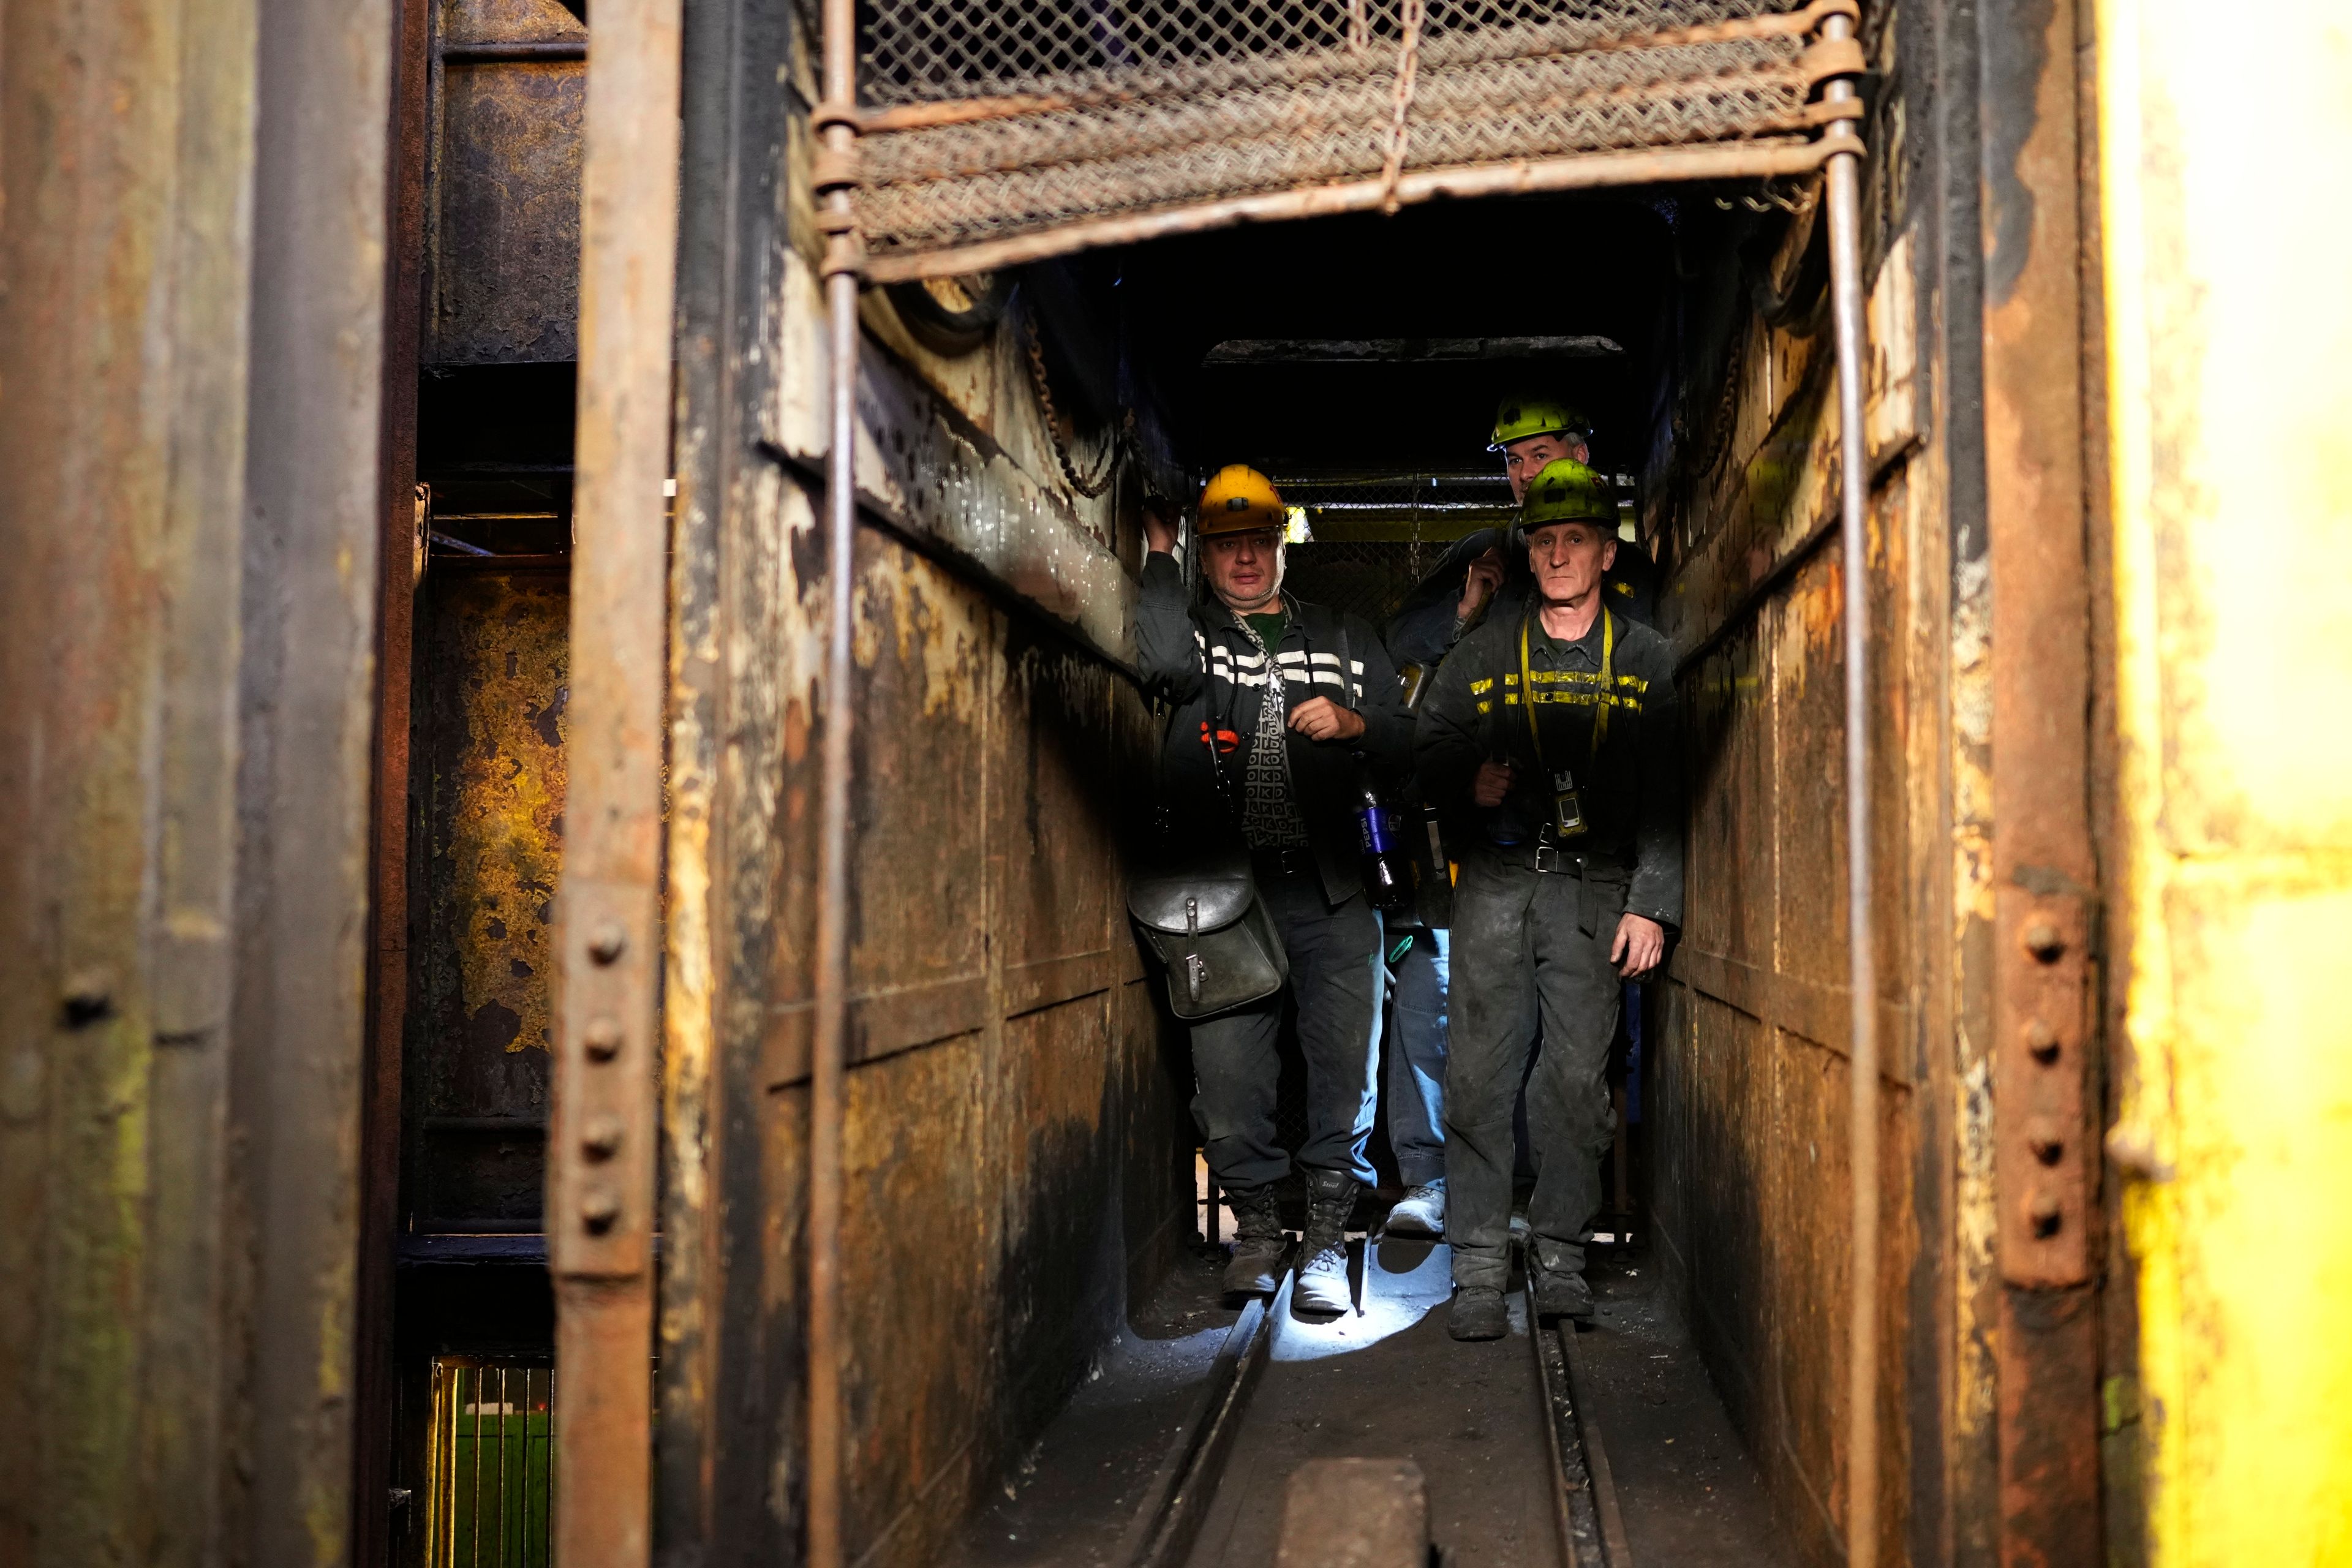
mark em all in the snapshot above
pixel 504 642
pixel 506 241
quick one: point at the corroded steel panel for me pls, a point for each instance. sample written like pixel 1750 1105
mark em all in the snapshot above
pixel 1008 1158
pixel 495 669
pixel 506 262
pixel 1751 1089
pixel 503 225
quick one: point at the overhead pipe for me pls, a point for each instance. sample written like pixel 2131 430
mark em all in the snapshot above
pixel 1843 139
pixel 835 177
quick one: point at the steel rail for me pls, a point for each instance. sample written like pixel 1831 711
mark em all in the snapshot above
pixel 1588 171
pixel 1842 140
pixel 829 1034
pixel 604 1130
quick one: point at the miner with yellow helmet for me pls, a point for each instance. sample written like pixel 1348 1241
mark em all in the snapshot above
pixel 1281 710
pixel 1549 745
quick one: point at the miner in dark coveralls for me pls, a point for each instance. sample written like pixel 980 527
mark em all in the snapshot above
pixel 1281 709
pixel 1566 814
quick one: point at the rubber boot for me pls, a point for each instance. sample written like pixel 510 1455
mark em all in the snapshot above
pixel 1259 1241
pixel 1322 1289
pixel 1477 1313
pixel 1422 1212
pixel 1560 1296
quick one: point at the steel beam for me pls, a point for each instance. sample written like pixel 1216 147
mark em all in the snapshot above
pixel 601 1153
pixel 2044 873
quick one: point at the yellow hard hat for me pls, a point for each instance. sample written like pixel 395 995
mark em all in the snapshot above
pixel 1239 498
pixel 1516 418
pixel 1568 491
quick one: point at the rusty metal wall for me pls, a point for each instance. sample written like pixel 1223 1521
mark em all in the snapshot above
pixel 1750 1085
pixel 1012 1149
pixel 493 686
pixel 1992 1267
pixel 1015 1132
pixel 502 214
pixel 125 272
pixel 191 292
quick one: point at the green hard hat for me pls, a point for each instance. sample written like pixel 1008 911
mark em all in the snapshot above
pixel 1516 418
pixel 1568 491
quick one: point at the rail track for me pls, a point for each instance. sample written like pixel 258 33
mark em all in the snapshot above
pixel 1186 1517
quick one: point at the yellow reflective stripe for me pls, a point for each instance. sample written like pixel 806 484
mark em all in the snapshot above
pixel 1577 678
pixel 1606 680
pixel 1574 700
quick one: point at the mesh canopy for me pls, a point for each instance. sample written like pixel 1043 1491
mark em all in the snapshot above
pixel 987 125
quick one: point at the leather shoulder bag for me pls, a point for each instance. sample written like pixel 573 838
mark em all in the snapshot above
pixel 1198 908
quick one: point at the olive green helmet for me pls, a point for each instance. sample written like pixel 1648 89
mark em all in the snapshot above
pixel 1568 491
pixel 1516 418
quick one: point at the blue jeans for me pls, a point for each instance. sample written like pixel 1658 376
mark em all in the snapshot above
pixel 1336 979
pixel 1417 1061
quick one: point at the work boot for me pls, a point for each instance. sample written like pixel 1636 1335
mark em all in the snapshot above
pixel 1422 1212
pixel 1259 1241
pixel 1322 1287
pixel 1477 1313
pixel 1561 1295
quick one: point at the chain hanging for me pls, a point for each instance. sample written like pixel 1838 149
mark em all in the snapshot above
pixel 1088 486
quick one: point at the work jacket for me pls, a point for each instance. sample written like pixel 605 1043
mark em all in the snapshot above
pixel 1424 629
pixel 1630 788
pixel 1200 661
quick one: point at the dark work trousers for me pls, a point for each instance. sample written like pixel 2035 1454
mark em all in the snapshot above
pixel 1526 942
pixel 1335 976
pixel 1416 1052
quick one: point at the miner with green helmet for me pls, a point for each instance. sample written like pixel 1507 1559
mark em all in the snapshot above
pixel 1548 744
pixel 1483 575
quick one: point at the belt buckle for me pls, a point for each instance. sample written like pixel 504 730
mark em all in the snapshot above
pixel 1548 857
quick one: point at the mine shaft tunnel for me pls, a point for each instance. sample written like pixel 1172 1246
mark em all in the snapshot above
pixel 576 758
pixel 1029 1360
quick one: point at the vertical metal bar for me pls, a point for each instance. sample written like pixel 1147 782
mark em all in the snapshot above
pixel 436 1468
pixel 603 1131
pixel 1845 179
pixel 506 1484
pixel 826 1065
pixel 546 1498
pixel 474 1549
pixel 375 1392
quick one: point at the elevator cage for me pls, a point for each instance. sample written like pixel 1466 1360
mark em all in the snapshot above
pixel 995 131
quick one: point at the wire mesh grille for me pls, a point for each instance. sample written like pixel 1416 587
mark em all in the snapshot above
pixel 1361 577
pixel 1428 508
pixel 986 121
pixel 491 1466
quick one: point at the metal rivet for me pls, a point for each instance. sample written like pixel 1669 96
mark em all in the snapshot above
pixel 607 942
pixel 2046 1216
pixel 602 1038
pixel 89 999
pixel 2042 1041
pixel 602 1139
pixel 2045 942
pixel 599 1210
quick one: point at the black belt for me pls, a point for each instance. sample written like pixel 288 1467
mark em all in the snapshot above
pixel 1293 862
pixel 1552 857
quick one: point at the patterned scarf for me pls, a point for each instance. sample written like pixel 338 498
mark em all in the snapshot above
pixel 1270 818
